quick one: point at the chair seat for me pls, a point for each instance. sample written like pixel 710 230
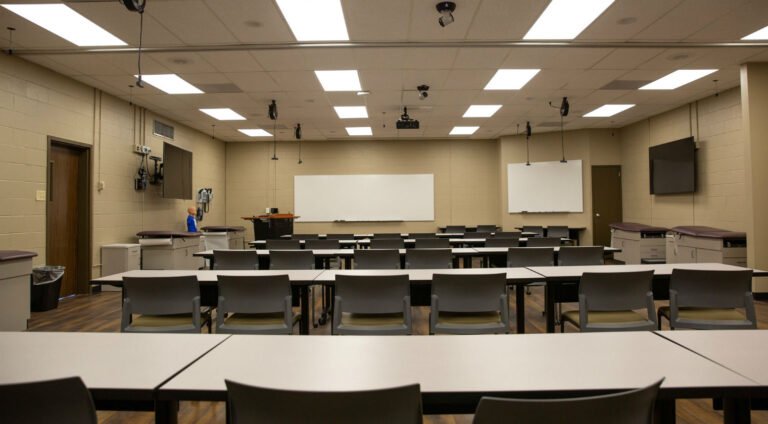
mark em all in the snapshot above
pixel 360 320
pixel 468 318
pixel 620 318
pixel 704 314
pixel 262 319
pixel 175 320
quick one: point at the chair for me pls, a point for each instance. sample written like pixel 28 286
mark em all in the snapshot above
pixel 608 301
pixel 542 242
pixel 530 256
pixel 340 237
pixel 428 259
pixel 387 236
pixel 255 305
pixel 305 237
pixel 477 235
pixel 487 228
pixel 377 259
pixel 507 234
pixel 279 244
pixel 469 304
pixel 706 300
pixel 249 404
pixel 580 255
pixel 422 235
pixel 163 305
pixel 291 259
pixel 558 231
pixel 388 243
pixel 502 242
pixel 61 401
pixel 455 229
pixel 538 229
pixel 376 305
pixel 235 259
pixel 629 407
pixel 322 244
pixel 433 243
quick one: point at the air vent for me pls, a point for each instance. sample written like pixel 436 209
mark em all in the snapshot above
pixel 163 130
pixel 219 88
pixel 624 85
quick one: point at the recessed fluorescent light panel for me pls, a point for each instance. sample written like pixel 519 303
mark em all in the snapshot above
pixel 315 20
pixel 359 131
pixel 339 80
pixel 170 83
pixel 223 114
pixel 256 132
pixel 347 112
pixel 605 111
pixel 511 79
pixel 678 79
pixel 66 23
pixel 463 130
pixel 761 34
pixel 481 111
pixel 566 19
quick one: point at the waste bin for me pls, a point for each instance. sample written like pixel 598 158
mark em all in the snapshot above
pixel 46 286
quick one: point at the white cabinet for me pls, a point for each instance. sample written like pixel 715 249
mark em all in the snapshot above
pixel 117 258
pixel 15 270
pixel 171 253
pixel 706 244
pixel 637 242
pixel 222 237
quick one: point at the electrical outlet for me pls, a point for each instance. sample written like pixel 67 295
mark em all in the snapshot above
pixel 141 149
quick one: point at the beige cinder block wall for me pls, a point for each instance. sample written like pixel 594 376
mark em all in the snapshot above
pixel 36 103
pixel 592 147
pixel 720 199
pixel 466 178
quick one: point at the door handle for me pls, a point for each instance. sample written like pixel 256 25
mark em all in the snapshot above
pixel 50 181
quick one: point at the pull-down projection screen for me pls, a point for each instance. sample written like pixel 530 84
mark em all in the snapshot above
pixel 328 198
pixel 545 187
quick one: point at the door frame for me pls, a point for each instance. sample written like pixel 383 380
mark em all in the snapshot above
pixel 85 236
pixel 621 195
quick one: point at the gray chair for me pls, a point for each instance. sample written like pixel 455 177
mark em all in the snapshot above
pixel 488 228
pixel 280 244
pixel 538 229
pixel 580 255
pixel 388 243
pixel 477 235
pixel 706 300
pixel 422 235
pixel 61 401
pixel 609 301
pixel 507 234
pixel 235 259
pixel 375 305
pixel 291 259
pixel 530 256
pixel 469 304
pixel 322 244
pixel 502 242
pixel 305 236
pixel 433 243
pixel 377 259
pixel 558 231
pixel 249 404
pixel 255 305
pixel 428 259
pixel 162 305
pixel 340 236
pixel 387 236
pixel 456 229
pixel 629 407
pixel 542 242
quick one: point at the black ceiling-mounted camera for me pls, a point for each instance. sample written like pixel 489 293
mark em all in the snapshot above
pixel 272 112
pixel 423 91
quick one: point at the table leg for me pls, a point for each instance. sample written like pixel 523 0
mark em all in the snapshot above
pixel 736 411
pixel 304 321
pixel 664 412
pixel 549 306
pixel 467 262
pixel 166 411
pixel 520 307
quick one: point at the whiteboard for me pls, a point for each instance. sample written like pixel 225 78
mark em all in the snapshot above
pixel 328 198
pixel 545 187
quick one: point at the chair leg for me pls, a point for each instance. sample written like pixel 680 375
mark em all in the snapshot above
pixel 562 325
pixel 658 318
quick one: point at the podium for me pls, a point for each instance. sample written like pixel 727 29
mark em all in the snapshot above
pixel 271 226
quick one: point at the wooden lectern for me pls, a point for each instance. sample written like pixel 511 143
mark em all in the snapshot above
pixel 271 226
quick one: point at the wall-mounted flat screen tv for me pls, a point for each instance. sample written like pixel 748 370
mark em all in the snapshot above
pixel 177 172
pixel 673 167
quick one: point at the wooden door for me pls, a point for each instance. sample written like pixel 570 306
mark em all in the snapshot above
pixel 606 202
pixel 68 213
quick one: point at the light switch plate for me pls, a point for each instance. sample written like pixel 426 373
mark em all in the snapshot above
pixel 40 195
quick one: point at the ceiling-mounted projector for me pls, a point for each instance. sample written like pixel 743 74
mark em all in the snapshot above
pixel 406 123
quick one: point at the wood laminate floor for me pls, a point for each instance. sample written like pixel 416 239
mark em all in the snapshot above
pixel 101 312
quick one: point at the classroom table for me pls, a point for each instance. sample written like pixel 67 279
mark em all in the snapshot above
pixel 121 370
pixel 488 252
pixel 209 284
pixel 262 244
pixel 557 277
pixel 454 372
pixel 573 232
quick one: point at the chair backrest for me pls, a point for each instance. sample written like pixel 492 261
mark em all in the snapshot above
pixel 502 242
pixel 469 293
pixel 322 244
pixel 252 294
pixel 372 294
pixel 428 259
pixel 477 235
pixel 377 259
pixel 487 228
pixel 433 243
pixel 235 259
pixel 507 234
pixel 305 237
pixel 455 229
pixel 530 256
pixel 291 259
pixel 422 235
pixel 248 404
pixel 281 244
pixel 538 229
pixel 161 295
pixel 64 401
pixel 711 289
pixel 340 236
pixel 388 243
pixel 387 236
pixel 630 407
pixel 558 231
pixel 580 255
pixel 542 242
pixel 616 291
